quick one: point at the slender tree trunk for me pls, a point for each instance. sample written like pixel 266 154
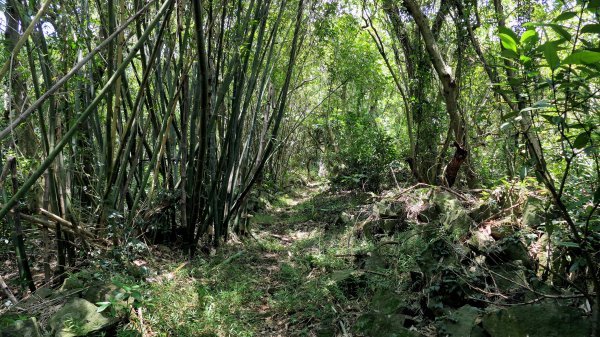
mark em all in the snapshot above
pixel 18 238
pixel 450 92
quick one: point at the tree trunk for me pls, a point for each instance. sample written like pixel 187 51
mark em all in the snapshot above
pixel 450 91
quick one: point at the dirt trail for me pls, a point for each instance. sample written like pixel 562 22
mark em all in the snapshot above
pixel 278 282
pixel 293 254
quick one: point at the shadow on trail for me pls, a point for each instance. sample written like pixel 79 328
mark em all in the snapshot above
pixel 281 282
pixel 321 208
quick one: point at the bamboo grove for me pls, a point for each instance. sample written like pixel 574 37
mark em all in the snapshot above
pixel 162 96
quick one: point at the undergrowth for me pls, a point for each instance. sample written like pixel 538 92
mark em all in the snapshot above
pixel 280 281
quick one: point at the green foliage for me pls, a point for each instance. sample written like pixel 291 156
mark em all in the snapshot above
pixel 126 296
pixel 365 156
pixel 9 319
pixel 353 126
pixel 77 327
pixel 561 101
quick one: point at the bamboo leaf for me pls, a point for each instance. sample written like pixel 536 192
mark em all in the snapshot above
pixel 561 30
pixel 567 244
pixel 102 306
pixel 578 126
pixel 553 119
pixel 509 115
pixel 542 104
pixel 549 118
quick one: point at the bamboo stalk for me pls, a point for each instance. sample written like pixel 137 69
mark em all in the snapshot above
pixel 49 225
pixel 24 37
pixel 7 291
pixel 84 115
pixel 73 227
pixel 17 234
pixel 38 103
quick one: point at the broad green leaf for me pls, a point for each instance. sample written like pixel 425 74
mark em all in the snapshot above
pixel 556 43
pixel 581 140
pixel 509 54
pixel 136 295
pixel 528 35
pixel 582 57
pixel 597 196
pixel 565 16
pixel 591 28
pixel 549 118
pixel 593 4
pixel 551 56
pixel 591 73
pixel 561 30
pixel 509 32
pixel 508 42
pixel 524 59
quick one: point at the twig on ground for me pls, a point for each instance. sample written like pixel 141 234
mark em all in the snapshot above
pixel 493 216
pixel 424 185
pixel 376 273
pixel 533 301
pixel 141 319
pixel 230 259
pixel 414 187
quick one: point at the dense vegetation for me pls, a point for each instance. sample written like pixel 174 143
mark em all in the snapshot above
pixel 131 124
